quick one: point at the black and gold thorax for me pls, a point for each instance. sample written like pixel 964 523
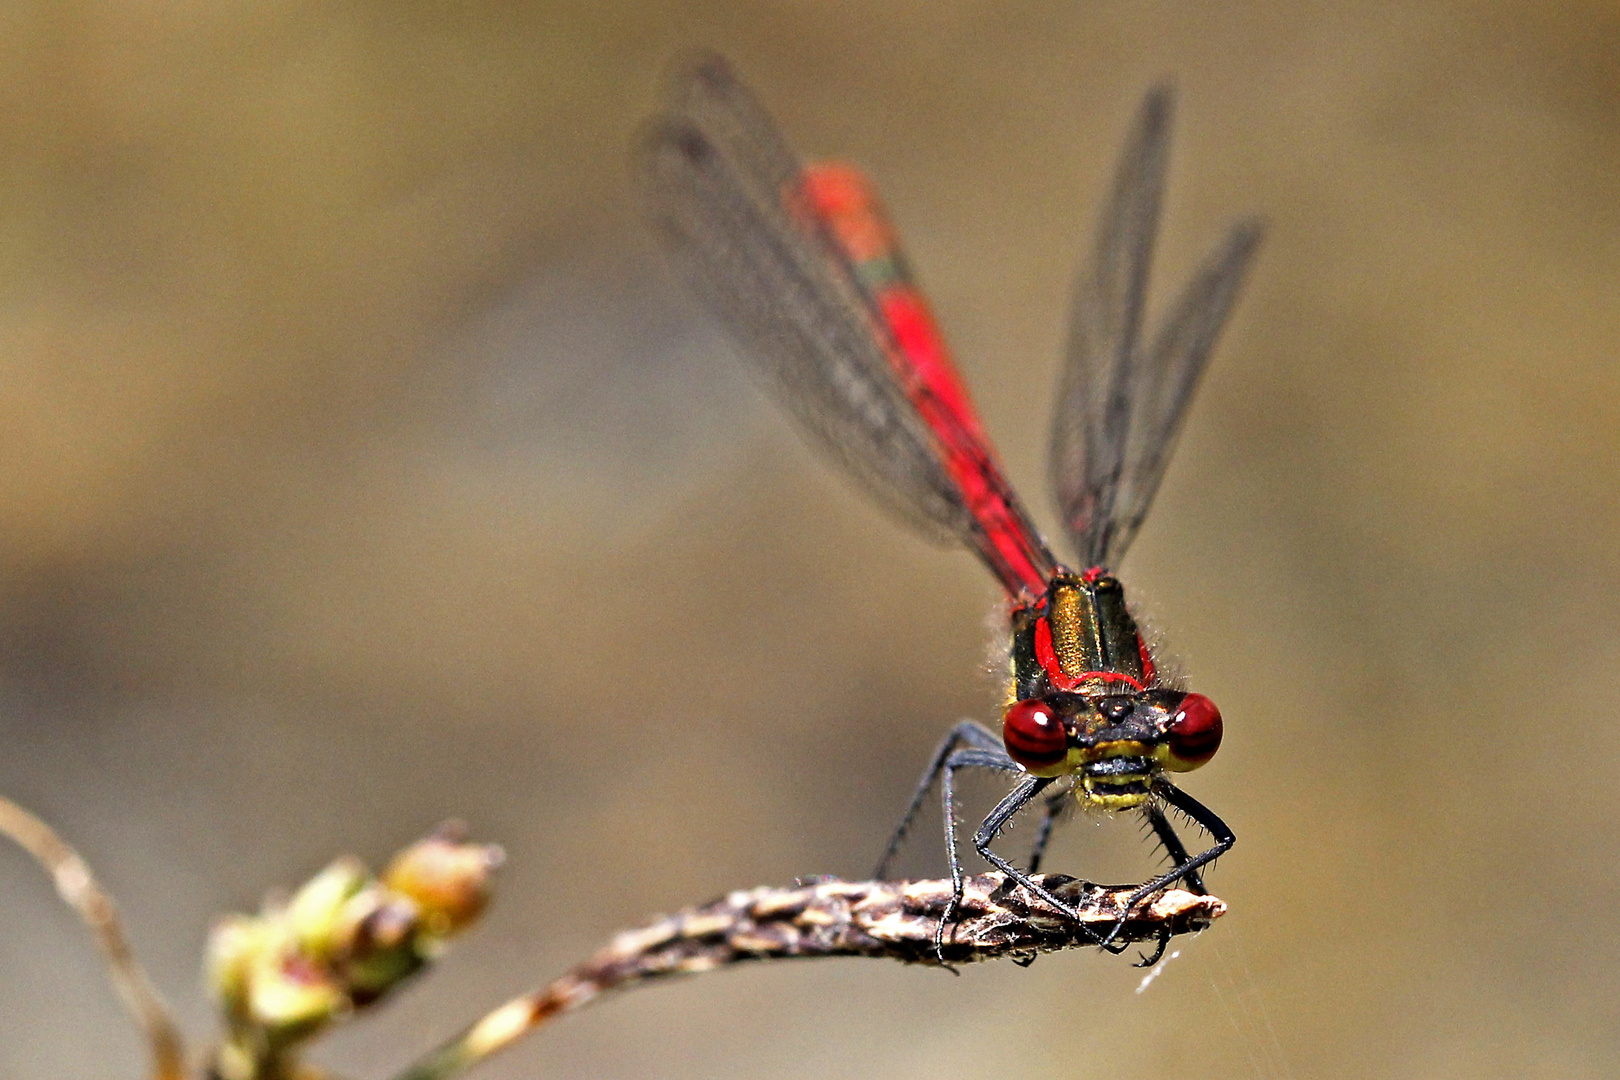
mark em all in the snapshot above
pixel 1079 637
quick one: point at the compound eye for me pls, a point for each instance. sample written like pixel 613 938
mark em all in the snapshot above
pixel 1194 733
pixel 1034 736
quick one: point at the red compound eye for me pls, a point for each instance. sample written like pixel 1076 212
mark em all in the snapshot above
pixel 1034 736
pixel 1194 733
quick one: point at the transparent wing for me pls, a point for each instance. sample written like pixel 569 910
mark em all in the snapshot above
pixel 719 180
pixel 1120 404
pixel 806 267
pixel 1168 374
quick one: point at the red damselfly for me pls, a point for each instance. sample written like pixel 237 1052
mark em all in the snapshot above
pixel 803 264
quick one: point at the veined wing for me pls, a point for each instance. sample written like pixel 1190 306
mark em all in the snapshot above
pixel 1120 404
pixel 803 266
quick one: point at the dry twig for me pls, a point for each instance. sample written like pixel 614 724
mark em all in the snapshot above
pixel 79 889
pixel 894 919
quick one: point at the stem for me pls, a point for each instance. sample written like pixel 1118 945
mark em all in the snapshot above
pixel 79 889
pixel 894 919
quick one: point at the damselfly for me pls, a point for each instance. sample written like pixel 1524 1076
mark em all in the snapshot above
pixel 803 264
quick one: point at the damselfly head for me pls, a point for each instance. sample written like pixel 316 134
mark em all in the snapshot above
pixel 1116 744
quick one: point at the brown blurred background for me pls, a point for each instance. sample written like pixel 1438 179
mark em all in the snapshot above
pixel 362 464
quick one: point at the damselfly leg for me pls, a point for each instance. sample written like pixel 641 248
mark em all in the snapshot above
pixel 1174 850
pixel 968 734
pixel 971 745
pixel 1055 804
pixel 1200 815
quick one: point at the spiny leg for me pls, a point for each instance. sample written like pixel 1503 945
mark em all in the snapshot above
pixel 1177 851
pixel 1173 847
pixel 1158 950
pixel 1055 802
pixel 967 732
pixel 1201 815
pixel 998 760
pixel 997 819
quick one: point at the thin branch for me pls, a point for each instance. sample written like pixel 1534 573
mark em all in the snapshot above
pixel 894 919
pixel 79 889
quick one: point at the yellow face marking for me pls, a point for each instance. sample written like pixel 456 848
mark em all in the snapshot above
pixel 1118 748
pixel 1103 791
pixel 1110 802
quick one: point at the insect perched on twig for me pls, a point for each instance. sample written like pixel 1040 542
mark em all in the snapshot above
pixel 803 264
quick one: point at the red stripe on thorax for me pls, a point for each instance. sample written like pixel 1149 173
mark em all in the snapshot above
pixel 1047 657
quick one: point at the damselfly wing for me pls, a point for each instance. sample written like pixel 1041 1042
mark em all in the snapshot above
pixel 802 263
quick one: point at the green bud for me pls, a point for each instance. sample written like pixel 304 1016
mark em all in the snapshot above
pixel 383 949
pixel 315 913
pixel 290 998
pixel 235 945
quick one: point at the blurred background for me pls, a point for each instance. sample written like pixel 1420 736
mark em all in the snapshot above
pixel 363 464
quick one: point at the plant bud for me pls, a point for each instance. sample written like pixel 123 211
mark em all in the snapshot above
pixel 383 948
pixel 290 998
pixel 448 879
pixel 315 913
pixel 235 945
